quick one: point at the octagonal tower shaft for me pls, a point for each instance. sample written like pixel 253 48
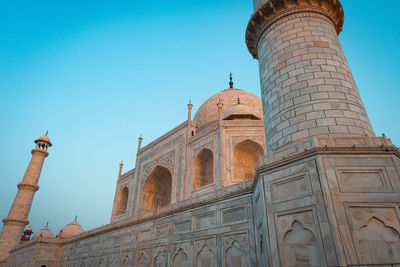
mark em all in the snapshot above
pixel 306 83
pixel 17 217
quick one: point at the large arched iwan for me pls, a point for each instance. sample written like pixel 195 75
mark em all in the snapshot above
pixel 203 167
pixel 246 155
pixel 122 201
pixel 156 192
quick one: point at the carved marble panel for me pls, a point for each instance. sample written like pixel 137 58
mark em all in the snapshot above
pixel 291 187
pixel 144 235
pixel 127 259
pixel 160 256
pixel 205 252
pixel 234 215
pixel 182 226
pixel 206 221
pixel 143 257
pixel 376 232
pixel 162 231
pixel 167 160
pixel 114 260
pixel 298 240
pixel 363 179
pixel 181 254
pixel 235 249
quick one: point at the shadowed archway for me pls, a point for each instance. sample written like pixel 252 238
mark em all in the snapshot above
pixel 156 192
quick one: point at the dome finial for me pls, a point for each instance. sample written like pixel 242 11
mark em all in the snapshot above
pixel 47 224
pixel 76 217
pixel 230 81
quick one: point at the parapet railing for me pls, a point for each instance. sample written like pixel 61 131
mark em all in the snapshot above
pixel 389 264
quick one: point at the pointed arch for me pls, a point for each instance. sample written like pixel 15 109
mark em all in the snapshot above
pixel 122 201
pixel 236 255
pixel 300 247
pixel 180 258
pixel 156 192
pixel 205 257
pixel 379 242
pixel 203 169
pixel 245 159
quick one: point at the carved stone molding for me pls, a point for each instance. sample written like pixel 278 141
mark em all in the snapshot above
pixel 15 221
pixel 273 10
pixel 257 139
pixel 209 145
pixel 28 187
pixel 167 160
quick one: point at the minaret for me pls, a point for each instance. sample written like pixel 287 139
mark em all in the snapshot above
pixel 306 83
pixel 17 218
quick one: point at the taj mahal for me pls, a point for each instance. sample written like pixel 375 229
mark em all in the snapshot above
pixel 294 178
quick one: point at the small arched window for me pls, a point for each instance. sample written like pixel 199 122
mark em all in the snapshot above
pixel 203 169
pixel 122 201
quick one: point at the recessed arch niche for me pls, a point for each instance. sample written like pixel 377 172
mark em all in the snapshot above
pixel 245 156
pixel 203 169
pixel 156 192
pixel 122 201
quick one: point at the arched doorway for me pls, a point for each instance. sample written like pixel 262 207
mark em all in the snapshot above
pixel 122 201
pixel 246 155
pixel 157 190
pixel 203 169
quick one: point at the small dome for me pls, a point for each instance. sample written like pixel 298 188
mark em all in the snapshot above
pixel 72 229
pixel 241 111
pixel 208 111
pixel 45 232
pixel 44 138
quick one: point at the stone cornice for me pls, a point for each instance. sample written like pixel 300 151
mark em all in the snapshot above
pixel 273 10
pixel 28 186
pixel 15 221
pixel 391 150
pixel 41 151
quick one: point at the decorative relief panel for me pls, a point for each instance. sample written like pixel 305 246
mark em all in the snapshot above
pixel 182 226
pixel 162 231
pixel 235 249
pixel 298 239
pixel 234 215
pixel 363 179
pixel 206 221
pixel 102 261
pixel 376 232
pixel 167 160
pixel 142 257
pixel 114 260
pixel 144 235
pixel 127 259
pixel 258 139
pixel 160 256
pixel 180 256
pixel 291 187
pixel 209 145
pixel 205 252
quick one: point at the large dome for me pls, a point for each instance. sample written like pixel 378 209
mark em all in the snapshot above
pixel 72 229
pixel 208 111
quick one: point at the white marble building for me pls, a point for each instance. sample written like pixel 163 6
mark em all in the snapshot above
pixel 296 178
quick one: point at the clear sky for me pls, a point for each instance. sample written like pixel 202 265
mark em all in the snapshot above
pixel 97 74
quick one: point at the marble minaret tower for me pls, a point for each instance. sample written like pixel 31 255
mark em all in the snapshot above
pixel 328 191
pixel 17 218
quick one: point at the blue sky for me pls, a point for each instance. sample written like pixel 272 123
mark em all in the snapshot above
pixel 97 74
